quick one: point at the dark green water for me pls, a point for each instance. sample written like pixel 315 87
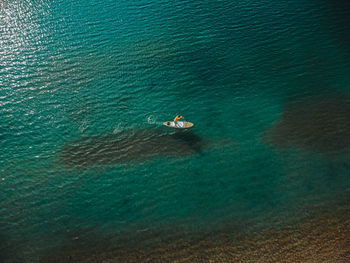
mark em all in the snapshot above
pixel 85 86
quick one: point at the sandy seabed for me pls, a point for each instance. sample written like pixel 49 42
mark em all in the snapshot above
pixel 322 237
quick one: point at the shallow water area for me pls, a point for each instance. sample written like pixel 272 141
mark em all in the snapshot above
pixel 89 173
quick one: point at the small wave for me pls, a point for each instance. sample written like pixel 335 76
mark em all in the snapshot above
pixel 153 120
pixel 118 128
pixel 83 127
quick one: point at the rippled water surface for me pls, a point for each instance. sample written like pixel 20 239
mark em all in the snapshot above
pixel 88 172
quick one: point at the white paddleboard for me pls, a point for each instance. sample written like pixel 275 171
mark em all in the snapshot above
pixel 179 124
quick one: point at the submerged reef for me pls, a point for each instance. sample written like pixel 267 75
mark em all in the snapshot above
pixel 130 145
pixel 321 125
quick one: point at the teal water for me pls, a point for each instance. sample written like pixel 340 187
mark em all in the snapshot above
pixel 85 86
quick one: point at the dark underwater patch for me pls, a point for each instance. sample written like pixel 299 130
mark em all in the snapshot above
pixel 320 125
pixel 129 145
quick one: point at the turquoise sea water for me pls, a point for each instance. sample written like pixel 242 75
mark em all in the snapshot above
pixel 85 86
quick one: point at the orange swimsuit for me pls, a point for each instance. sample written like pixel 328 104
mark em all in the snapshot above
pixel 176 118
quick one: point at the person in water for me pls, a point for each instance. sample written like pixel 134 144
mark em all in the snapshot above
pixel 176 119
